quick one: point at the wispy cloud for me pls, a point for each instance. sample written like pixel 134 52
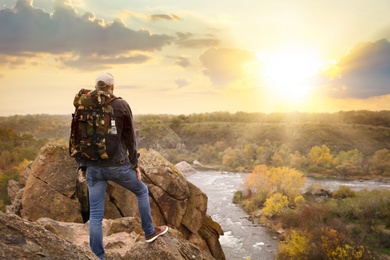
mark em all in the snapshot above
pixel 101 62
pixel 164 17
pixel 189 40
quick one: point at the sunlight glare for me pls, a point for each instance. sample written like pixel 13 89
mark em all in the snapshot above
pixel 288 71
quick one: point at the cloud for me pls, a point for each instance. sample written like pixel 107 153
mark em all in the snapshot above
pixel 25 29
pixel 186 40
pixel 363 73
pixel 183 62
pixel 99 63
pixel 164 17
pixel 225 65
pixel 181 83
pixel 130 87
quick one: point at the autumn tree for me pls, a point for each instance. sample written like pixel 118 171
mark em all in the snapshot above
pixel 335 248
pixel 270 180
pixel 321 158
pixel 275 204
pixel 296 246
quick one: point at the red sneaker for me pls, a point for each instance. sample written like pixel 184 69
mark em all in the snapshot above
pixel 158 231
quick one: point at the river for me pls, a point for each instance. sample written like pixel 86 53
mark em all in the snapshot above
pixel 243 239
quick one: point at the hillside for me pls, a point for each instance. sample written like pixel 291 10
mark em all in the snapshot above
pixel 300 136
pixel 353 144
pixel 207 137
pixel 364 130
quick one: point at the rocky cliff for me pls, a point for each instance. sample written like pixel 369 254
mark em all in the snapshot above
pixel 54 196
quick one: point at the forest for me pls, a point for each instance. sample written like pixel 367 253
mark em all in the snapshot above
pixel 352 144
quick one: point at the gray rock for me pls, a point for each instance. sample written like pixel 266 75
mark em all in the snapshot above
pixel 185 168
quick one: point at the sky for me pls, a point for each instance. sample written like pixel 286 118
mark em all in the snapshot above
pixel 184 57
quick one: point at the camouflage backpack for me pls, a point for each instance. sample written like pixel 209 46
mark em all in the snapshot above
pixel 93 132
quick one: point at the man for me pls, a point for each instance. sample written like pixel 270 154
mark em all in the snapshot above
pixel 122 169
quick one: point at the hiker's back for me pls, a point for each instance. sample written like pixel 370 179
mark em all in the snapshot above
pixel 93 129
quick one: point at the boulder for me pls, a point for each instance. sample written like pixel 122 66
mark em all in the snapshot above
pixel 51 186
pixel 123 240
pixel 54 190
pixel 185 168
pixel 51 239
pixel 22 239
pixel 197 163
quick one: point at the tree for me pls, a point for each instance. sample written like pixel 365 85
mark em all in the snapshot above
pixel 350 162
pixel 296 246
pixel 286 181
pixel 380 163
pixel 320 157
pixel 233 159
pixel 249 154
pixel 353 157
pixel 298 160
pixel 282 157
pixel 207 153
pixel 264 152
pixel 275 204
pixel 336 249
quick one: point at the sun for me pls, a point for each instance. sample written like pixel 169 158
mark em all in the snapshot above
pixel 287 72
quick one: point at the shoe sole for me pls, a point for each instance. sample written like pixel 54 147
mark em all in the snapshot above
pixel 154 238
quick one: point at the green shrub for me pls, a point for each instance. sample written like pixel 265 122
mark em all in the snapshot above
pixel 343 192
pixel 238 197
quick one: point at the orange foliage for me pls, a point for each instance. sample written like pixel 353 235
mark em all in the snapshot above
pixel 270 180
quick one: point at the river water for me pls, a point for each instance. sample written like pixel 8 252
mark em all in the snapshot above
pixel 242 238
pixel 333 184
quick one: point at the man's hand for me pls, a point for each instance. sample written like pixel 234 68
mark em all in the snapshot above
pixel 138 172
pixel 82 174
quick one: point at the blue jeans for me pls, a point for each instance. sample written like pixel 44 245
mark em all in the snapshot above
pixel 123 175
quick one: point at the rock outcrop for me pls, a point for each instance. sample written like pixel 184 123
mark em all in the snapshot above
pixel 50 239
pixel 185 168
pixel 54 190
pixel 22 239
